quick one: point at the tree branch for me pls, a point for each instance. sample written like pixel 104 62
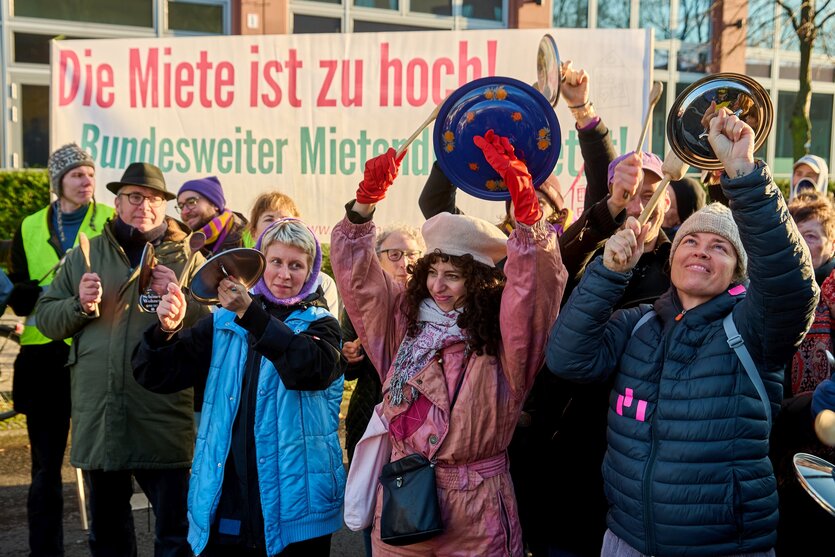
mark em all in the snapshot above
pixel 823 21
pixel 790 14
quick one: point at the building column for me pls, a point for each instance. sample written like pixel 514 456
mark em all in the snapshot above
pixel 530 14
pixel 729 22
pixel 260 17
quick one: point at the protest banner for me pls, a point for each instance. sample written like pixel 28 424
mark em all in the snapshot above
pixel 302 113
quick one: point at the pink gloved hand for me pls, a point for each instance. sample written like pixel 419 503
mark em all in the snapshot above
pixel 380 173
pixel 501 156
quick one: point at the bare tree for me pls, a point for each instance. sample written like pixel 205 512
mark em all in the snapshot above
pixel 808 21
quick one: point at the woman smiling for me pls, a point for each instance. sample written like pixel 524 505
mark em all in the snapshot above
pixel 687 470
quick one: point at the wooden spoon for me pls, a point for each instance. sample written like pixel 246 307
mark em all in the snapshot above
pixel 673 169
pixel 429 120
pixel 84 246
pixel 654 96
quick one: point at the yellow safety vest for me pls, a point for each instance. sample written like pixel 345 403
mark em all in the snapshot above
pixel 41 255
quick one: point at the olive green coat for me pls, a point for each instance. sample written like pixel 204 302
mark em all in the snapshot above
pixel 117 424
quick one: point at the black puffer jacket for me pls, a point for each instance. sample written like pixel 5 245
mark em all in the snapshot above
pixel 687 469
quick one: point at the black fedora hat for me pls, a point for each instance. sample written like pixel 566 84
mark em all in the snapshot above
pixel 144 175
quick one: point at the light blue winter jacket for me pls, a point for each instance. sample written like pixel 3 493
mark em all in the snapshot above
pixel 300 473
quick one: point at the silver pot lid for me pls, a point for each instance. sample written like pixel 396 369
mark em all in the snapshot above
pixel 245 264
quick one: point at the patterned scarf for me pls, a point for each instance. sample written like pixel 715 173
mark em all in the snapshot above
pixel 437 331
pixel 217 229
pixel 809 365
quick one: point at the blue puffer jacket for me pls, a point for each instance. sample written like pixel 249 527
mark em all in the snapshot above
pixel 300 473
pixel 687 469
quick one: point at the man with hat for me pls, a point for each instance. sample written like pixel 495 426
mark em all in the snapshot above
pixel 203 207
pixel 41 386
pixel 810 172
pixel 121 430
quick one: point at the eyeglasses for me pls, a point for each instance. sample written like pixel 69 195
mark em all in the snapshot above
pixel 397 254
pixel 136 198
pixel 189 204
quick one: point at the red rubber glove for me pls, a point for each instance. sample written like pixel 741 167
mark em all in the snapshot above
pixel 500 155
pixel 380 173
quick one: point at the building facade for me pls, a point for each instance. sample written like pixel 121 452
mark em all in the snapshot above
pixel 692 39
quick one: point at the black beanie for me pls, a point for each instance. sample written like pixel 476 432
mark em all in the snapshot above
pixel 690 197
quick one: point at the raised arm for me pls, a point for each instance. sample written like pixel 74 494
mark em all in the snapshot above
pixel 307 361
pixel 535 273
pixel 587 340
pixel 782 294
pixel 595 140
pixel 370 296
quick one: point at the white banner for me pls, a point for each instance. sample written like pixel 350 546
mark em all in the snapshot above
pixel 302 113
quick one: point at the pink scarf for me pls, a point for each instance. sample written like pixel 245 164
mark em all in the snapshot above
pixel 437 331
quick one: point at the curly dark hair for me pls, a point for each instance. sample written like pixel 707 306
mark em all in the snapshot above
pixel 480 304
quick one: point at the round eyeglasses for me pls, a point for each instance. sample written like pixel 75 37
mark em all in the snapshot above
pixel 397 254
pixel 189 204
pixel 135 198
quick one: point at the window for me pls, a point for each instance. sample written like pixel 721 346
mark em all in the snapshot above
pixel 381 4
pixel 661 59
pixel 32 49
pixel 820 112
pixel 613 14
pixel 34 105
pixel 138 13
pixel 694 21
pixel 199 18
pixel 571 13
pixel 327 1
pixel 482 9
pixel 659 124
pixel 315 24
pixel 656 14
pixel 759 29
pixel 434 7
pixel 376 27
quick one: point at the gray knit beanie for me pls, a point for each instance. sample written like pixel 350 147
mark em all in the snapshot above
pixel 715 218
pixel 64 159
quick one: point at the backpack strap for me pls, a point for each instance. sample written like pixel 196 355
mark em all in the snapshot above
pixel 735 341
pixel 644 318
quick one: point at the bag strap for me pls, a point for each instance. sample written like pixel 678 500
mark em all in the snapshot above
pixel 644 318
pixel 736 342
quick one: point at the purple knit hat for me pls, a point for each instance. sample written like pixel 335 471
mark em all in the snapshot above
pixel 649 161
pixel 309 286
pixel 209 188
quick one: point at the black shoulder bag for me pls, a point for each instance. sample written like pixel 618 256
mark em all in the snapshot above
pixel 411 513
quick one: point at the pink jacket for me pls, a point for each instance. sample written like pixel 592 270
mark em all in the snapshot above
pixel 475 492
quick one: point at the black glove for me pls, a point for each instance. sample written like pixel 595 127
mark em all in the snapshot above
pixel 24 296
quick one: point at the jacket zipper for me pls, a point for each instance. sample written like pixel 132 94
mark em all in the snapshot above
pixel 650 467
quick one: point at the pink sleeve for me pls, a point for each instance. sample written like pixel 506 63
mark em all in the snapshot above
pixel 536 280
pixel 371 297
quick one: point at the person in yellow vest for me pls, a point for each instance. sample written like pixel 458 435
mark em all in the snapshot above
pixel 41 387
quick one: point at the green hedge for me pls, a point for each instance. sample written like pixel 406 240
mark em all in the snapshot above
pixel 22 192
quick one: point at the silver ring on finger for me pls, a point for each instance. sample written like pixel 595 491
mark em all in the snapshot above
pixel 233 289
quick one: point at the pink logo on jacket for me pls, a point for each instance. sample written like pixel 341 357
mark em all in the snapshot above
pixel 626 400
